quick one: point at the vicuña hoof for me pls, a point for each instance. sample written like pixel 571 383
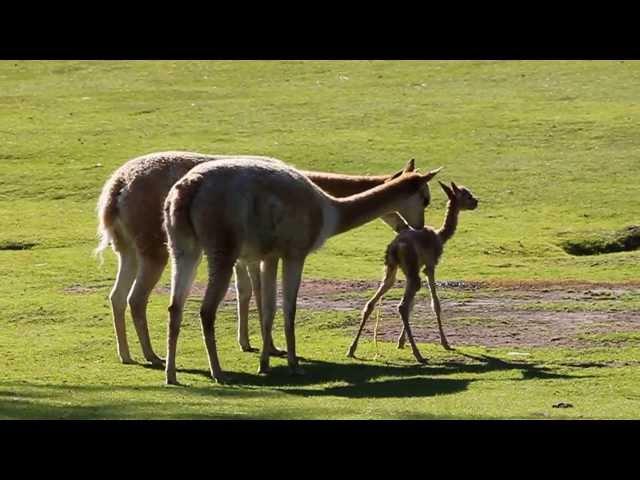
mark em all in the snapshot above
pixel 128 361
pixel 276 352
pixel 249 348
pixel 264 369
pixel 156 361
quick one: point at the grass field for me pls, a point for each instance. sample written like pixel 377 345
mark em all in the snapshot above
pixel 549 148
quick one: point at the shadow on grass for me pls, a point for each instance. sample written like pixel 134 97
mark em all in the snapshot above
pixel 411 387
pixel 412 380
pixel 362 371
pixel 529 370
pixel 24 400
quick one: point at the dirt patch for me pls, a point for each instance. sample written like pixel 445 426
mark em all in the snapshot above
pixel 82 289
pixel 499 314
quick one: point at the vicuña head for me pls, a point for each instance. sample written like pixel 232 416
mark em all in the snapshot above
pixel 461 196
pixel 413 210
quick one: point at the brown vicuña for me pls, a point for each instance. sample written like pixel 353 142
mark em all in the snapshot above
pixel 130 218
pixel 259 211
pixel 411 250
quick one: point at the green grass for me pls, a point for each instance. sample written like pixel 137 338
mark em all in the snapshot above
pixel 69 370
pixel 549 148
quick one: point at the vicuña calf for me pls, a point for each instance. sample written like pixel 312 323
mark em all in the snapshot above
pixel 411 250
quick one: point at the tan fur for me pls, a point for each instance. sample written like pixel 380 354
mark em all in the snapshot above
pixel 344 185
pixel 410 251
pixel 130 218
pixel 261 211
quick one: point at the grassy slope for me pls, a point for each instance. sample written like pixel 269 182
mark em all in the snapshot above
pixel 549 148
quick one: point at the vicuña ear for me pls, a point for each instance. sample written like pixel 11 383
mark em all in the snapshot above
pixel 394 176
pixel 428 176
pixel 447 190
pixel 455 187
pixel 410 166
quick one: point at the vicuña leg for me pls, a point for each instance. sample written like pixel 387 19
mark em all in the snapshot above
pixel 404 308
pixel 291 277
pixel 268 277
pixel 243 294
pixel 220 270
pixel 183 273
pixel 254 273
pixel 409 264
pixel 127 267
pixel 386 284
pixel 149 271
pixel 408 259
pixel 435 305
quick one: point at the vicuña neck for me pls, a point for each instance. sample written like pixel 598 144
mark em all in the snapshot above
pixel 450 222
pixel 364 207
pixel 344 185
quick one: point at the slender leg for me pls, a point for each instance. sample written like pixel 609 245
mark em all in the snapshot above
pixel 243 294
pixel 149 272
pixel 184 267
pixel 254 273
pixel 127 266
pixel 404 308
pixel 220 270
pixel 435 305
pixel 408 260
pixel 268 274
pixel 291 277
pixel 386 284
pixel 402 339
pixel 410 267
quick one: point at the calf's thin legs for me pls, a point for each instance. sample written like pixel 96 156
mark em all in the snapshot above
pixel 386 284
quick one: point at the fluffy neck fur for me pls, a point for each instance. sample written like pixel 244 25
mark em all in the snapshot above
pixel 344 185
pixel 450 222
pixel 359 209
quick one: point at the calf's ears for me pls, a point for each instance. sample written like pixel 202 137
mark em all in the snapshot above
pixel 447 190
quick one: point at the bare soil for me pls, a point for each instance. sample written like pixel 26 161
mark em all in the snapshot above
pixel 498 314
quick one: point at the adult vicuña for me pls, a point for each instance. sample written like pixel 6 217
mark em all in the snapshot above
pixel 260 211
pixel 130 218
pixel 410 250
